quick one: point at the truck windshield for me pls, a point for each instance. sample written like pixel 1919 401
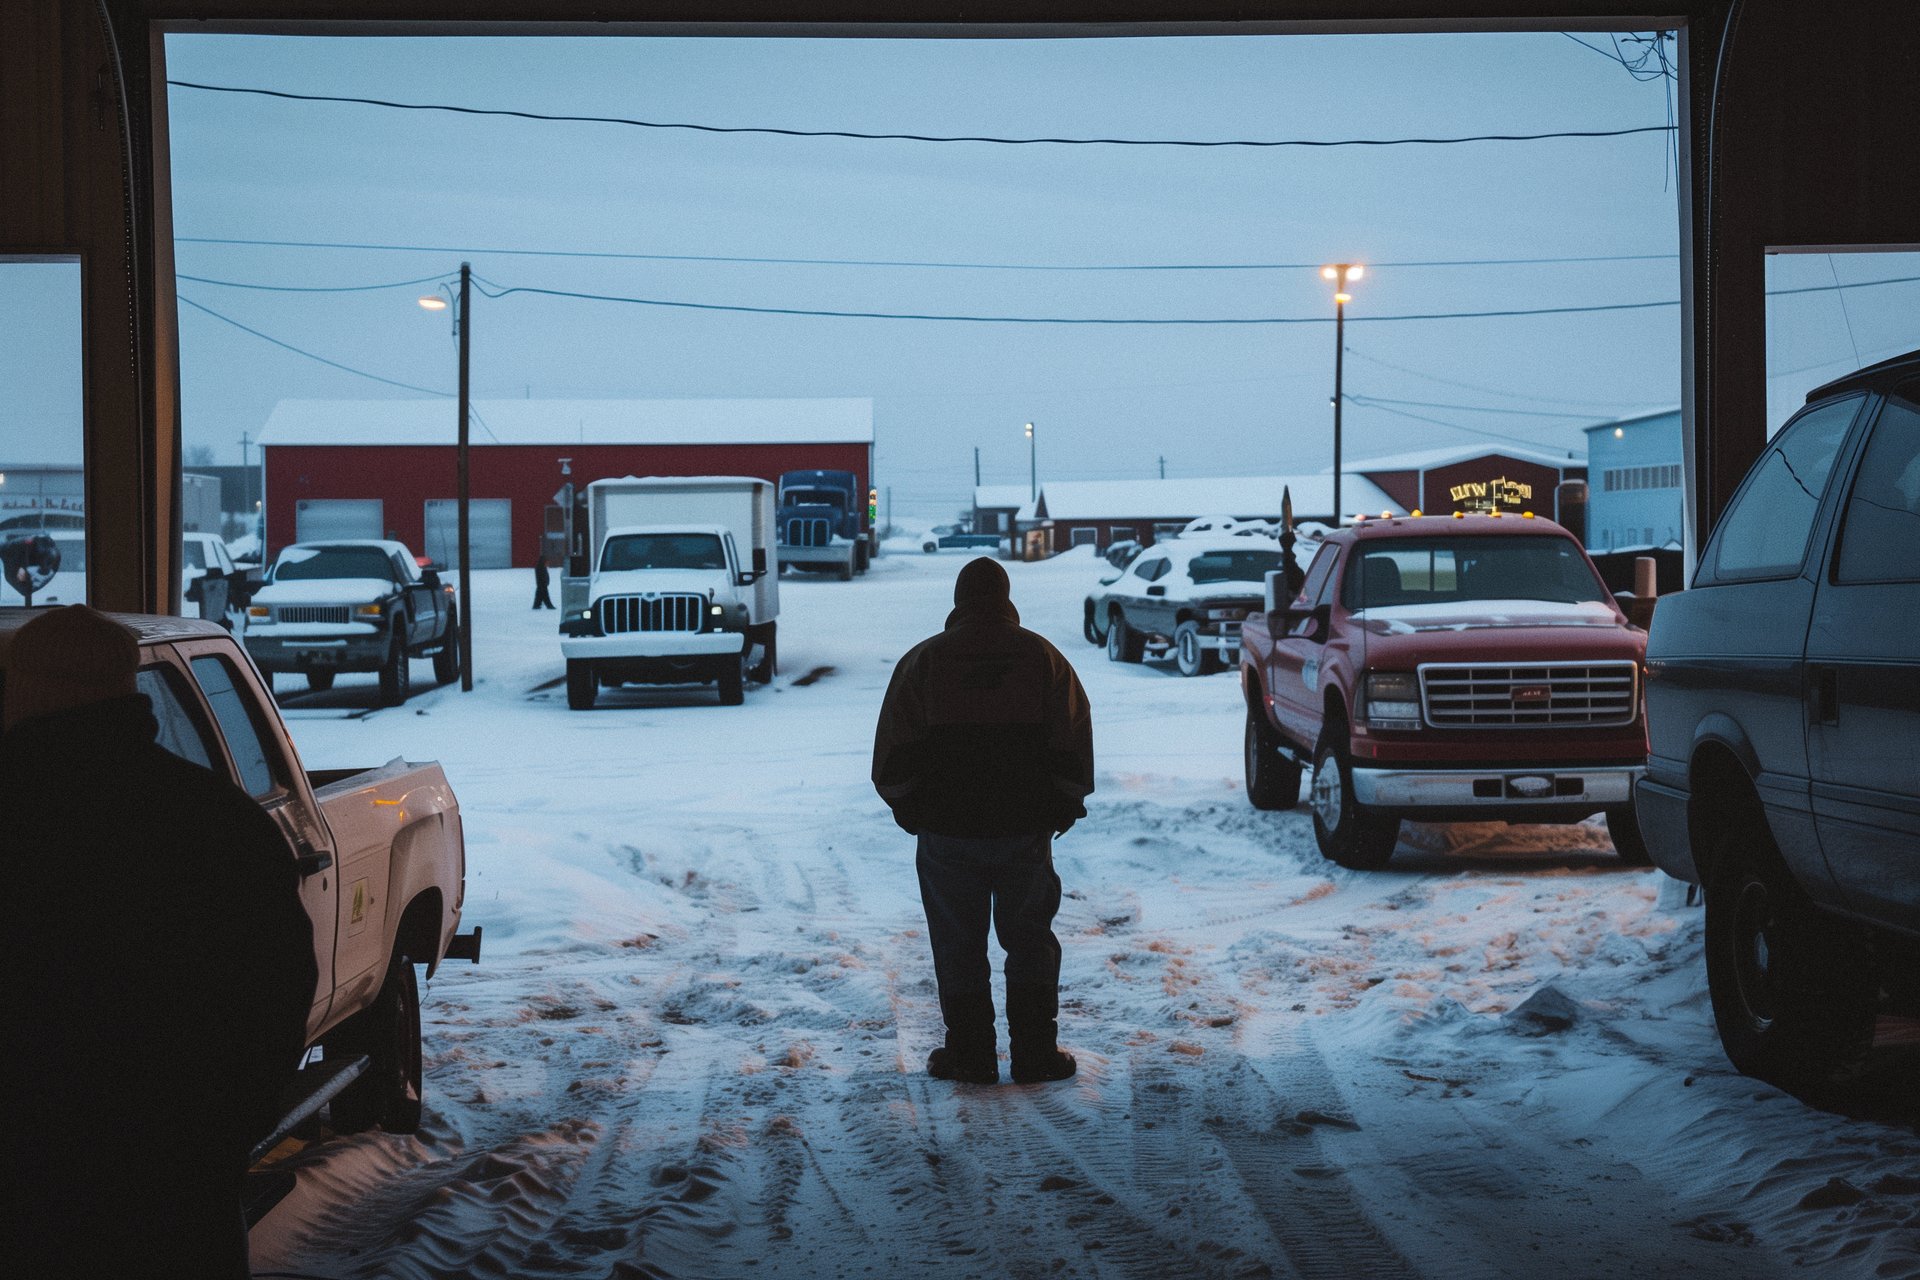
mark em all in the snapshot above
pixel 1232 566
pixel 303 564
pixel 1456 570
pixel 663 551
pixel 815 498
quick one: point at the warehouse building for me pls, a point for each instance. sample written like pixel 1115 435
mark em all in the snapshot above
pixel 1635 500
pixel 386 468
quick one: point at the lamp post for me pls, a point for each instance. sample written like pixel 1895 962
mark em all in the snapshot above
pixel 1033 465
pixel 462 328
pixel 1342 274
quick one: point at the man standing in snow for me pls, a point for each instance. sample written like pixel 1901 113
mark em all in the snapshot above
pixel 157 973
pixel 984 751
pixel 541 600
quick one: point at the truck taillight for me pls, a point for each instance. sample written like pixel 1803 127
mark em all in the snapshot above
pixel 1393 700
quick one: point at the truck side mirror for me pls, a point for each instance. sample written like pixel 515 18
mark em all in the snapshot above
pixel 759 562
pixel 1275 586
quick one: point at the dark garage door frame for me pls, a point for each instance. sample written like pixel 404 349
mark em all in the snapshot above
pixel 1795 118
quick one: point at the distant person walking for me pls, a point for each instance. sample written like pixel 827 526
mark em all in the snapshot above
pixel 157 973
pixel 541 600
pixel 984 751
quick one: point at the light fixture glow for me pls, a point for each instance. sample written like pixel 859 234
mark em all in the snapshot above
pixel 433 303
pixel 1329 273
pixel 1343 298
pixel 1619 433
pixel 1356 271
pixel 1029 431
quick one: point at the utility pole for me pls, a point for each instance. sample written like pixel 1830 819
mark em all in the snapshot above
pixel 1033 465
pixel 1163 466
pixel 465 322
pixel 889 506
pixel 976 466
pixel 1341 274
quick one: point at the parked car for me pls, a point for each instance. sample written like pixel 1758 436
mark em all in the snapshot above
pixel 336 606
pixel 948 538
pixel 1445 669
pixel 379 852
pixel 1184 598
pixel 1783 701
pixel 1094 624
pixel 1121 554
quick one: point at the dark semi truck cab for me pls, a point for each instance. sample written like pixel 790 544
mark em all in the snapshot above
pixel 822 523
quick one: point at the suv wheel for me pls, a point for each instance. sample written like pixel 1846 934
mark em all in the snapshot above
pixel 1794 990
pixel 1122 644
pixel 396 679
pixel 1347 834
pixel 1188 657
pixel 1273 781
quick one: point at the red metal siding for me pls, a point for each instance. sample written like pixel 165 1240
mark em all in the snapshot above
pixel 405 477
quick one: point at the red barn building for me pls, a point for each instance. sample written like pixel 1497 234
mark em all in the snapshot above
pixel 386 468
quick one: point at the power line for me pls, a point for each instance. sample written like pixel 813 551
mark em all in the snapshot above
pixel 918 265
pixel 330 288
pixel 1440 422
pixel 917 137
pixel 299 351
pixel 1474 386
pixel 1472 408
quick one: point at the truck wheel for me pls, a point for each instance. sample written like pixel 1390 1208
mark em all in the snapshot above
pixel 319 681
pixel 446 660
pixel 1623 828
pixel 733 682
pixel 860 555
pixel 1347 834
pixel 396 676
pixel 1273 781
pixel 1794 990
pixel 583 685
pixel 769 665
pixel 845 571
pixel 388 1032
pixel 1122 644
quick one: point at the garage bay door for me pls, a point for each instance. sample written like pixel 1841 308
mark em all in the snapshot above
pixel 490 531
pixel 316 519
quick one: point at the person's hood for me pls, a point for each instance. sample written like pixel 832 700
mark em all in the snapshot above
pixel 981 593
pixel 96 732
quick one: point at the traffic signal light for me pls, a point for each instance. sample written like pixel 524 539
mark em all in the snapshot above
pixel 873 506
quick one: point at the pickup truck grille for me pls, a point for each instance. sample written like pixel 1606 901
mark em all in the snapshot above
pixel 310 613
pixel 811 531
pixel 679 611
pixel 1540 695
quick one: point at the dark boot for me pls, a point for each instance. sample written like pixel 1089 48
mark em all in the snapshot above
pixel 970 1054
pixel 1032 1032
pixel 945 1064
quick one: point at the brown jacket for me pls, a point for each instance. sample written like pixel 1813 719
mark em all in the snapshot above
pixel 985 730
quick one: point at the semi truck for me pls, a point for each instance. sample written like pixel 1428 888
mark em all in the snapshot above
pixel 676 580
pixel 823 524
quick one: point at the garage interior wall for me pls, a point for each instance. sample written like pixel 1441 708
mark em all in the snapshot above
pixel 1799 132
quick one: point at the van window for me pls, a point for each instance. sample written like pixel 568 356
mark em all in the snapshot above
pixel 182 731
pixel 1880 541
pixel 237 725
pixel 1764 533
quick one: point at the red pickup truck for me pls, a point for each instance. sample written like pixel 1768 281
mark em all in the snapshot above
pixel 1448 669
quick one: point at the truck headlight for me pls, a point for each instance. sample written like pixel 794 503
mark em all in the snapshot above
pixel 717 610
pixel 374 610
pixel 1393 700
pixel 259 611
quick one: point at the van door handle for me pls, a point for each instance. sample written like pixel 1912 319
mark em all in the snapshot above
pixel 1825 684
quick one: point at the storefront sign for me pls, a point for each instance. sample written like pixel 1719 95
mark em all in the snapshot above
pixel 1499 493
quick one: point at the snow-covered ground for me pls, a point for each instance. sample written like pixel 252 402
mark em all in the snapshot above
pixel 695 1045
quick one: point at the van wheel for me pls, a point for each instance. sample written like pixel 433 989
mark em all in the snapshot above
pixel 733 681
pixel 1794 990
pixel 1623 828
pixel 446 660
pixel 387 1094
pixel 1347 834
pixel 583 685
pixel 396 676
pixel 319 681
pixel 1273 781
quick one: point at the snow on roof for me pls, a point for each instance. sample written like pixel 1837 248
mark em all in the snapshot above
pixel 1443 455
pixel 565 422
pixel 993 496
pixel 1219 496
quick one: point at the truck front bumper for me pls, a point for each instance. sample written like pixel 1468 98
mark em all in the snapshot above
pixel 653 644
pixel 833 553
pixel 364 650
pixel 1456 794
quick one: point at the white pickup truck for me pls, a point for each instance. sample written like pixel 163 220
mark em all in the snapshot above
pixel 380 856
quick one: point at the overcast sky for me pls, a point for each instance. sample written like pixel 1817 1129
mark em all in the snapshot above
pixel 1109 401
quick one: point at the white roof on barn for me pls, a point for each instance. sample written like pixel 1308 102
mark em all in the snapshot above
pixel 1219 496
pixel 1446 455
pixel 565 422
pixel 988 497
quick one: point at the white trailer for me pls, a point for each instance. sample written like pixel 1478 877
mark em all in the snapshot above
pixel 682 585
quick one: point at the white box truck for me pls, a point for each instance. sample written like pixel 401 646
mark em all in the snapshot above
pixel 682 586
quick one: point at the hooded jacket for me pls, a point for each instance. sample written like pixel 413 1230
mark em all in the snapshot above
pixel 985 730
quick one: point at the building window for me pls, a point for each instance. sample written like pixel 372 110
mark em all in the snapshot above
pixel 1623 479
pixel 1085 535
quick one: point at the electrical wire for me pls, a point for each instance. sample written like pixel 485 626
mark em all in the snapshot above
pixel 1475 408
pixel 915 137
pixel 918 265
pixel 288 346
pixel 330 288
pixel 1441 422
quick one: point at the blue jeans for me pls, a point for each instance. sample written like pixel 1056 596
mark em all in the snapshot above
pixel 1008 881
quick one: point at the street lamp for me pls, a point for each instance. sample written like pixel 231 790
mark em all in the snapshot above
pixel 1033 465
pixel 462 327
pixel 1341 274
